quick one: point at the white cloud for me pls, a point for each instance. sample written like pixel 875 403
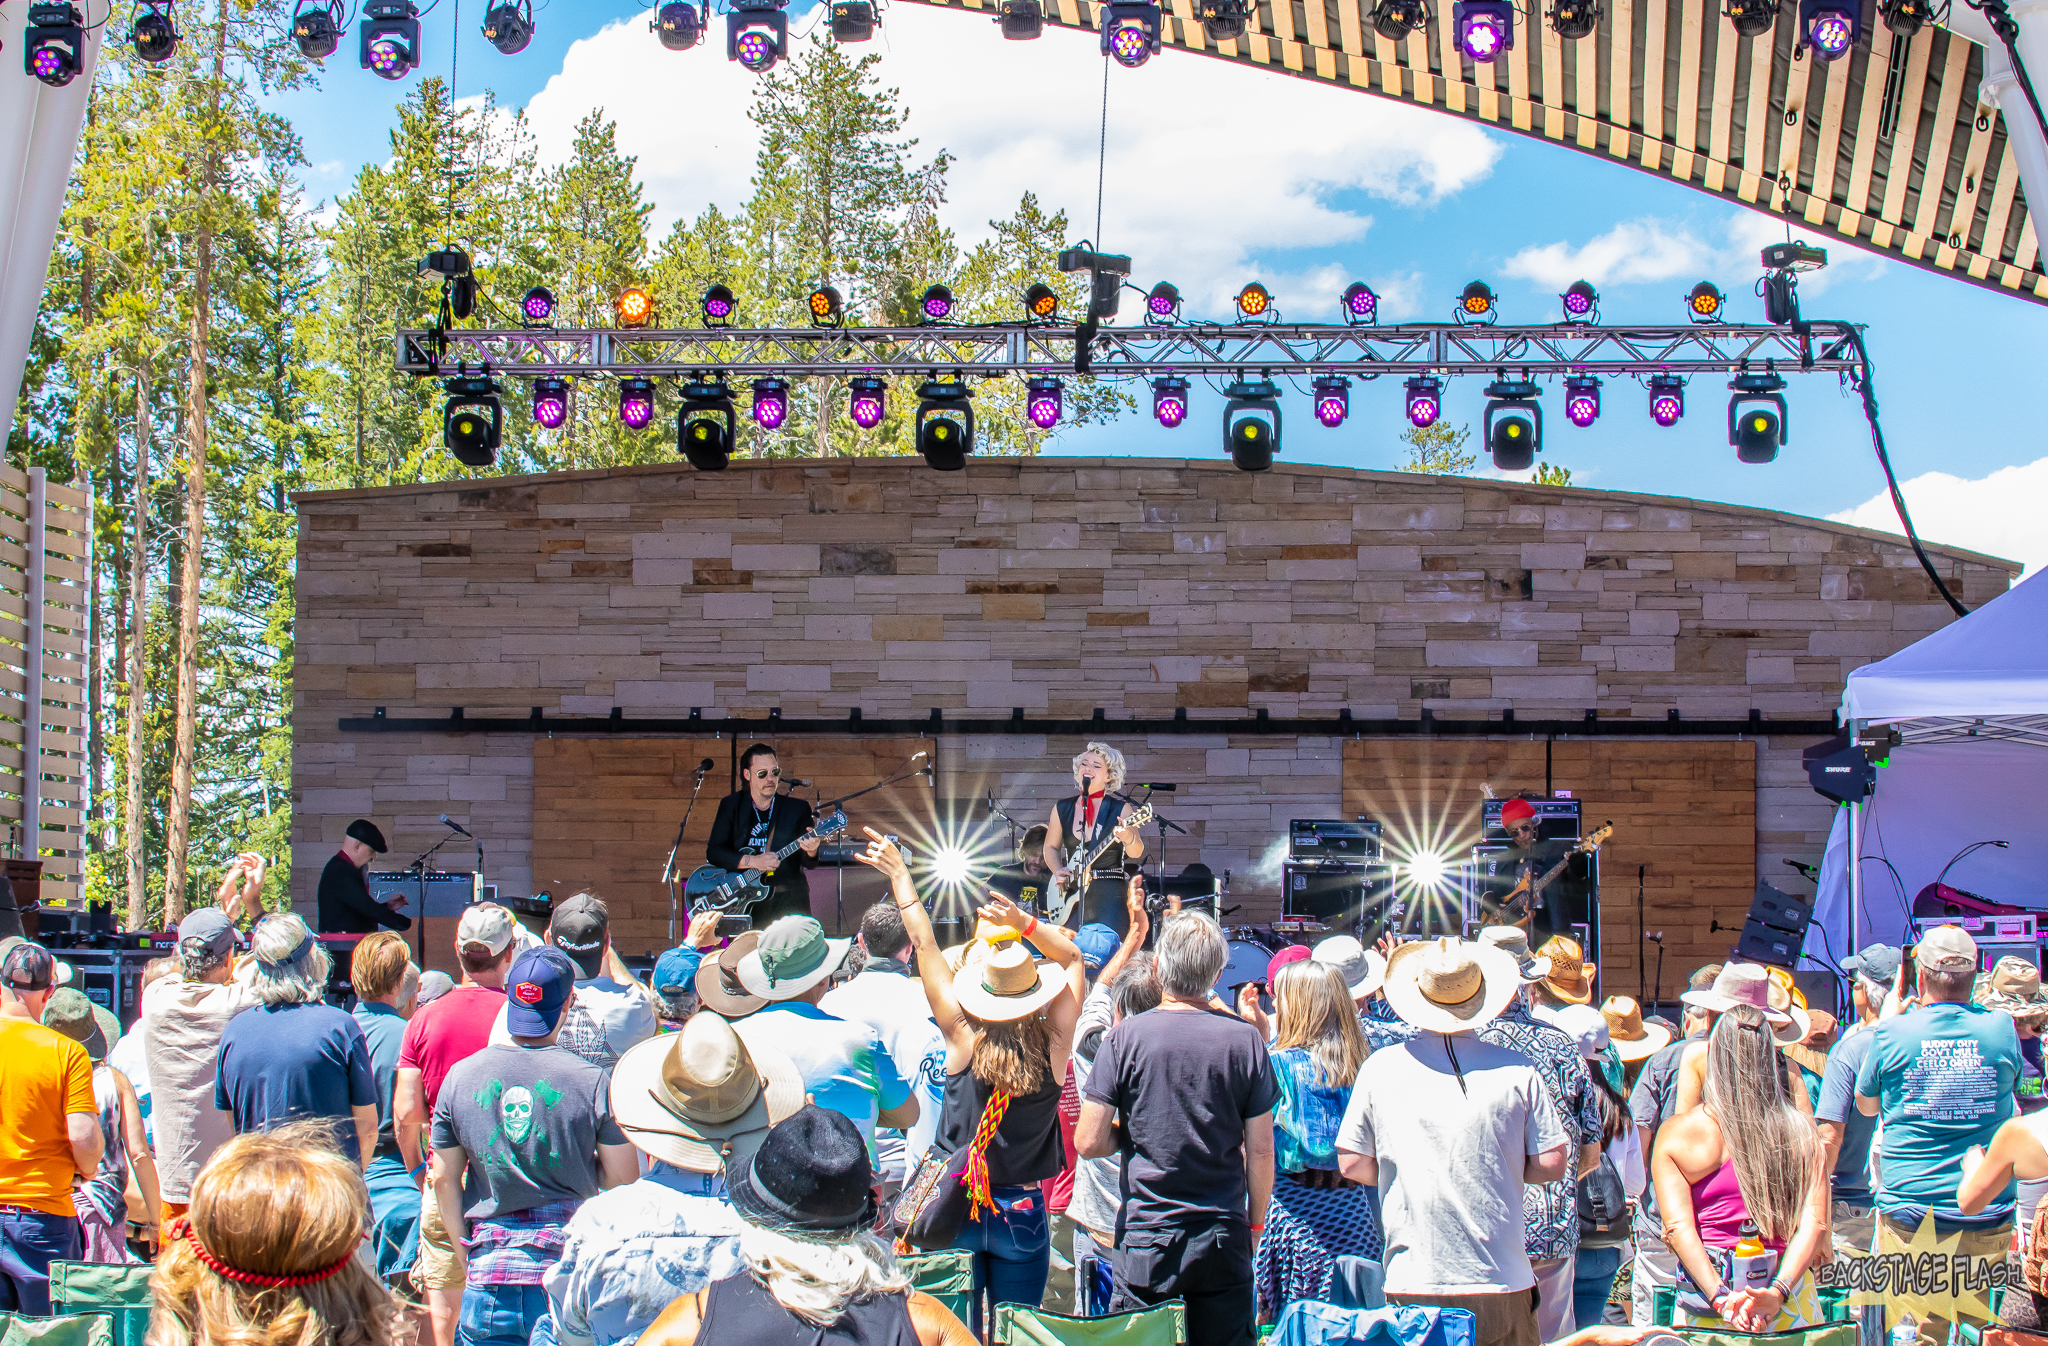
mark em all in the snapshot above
pixel 1651 249
pixel 1197 180
pixel 1998 514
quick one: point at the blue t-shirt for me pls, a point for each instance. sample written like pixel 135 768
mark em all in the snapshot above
pixel 844 1064
pixel 384 1032
pixel 1943 1078
pixel 287 1063
pixel 1850 1181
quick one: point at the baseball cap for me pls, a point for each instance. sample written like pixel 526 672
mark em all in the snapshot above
pixel 1874 962
pixel 676 970
pixel 1946 948
pixel 536 991
pixel 578 928
pixel 486 924
pixel 433 985
pixel 71 1014
pixel 207 930
pixel 28 967
pixel 1097 944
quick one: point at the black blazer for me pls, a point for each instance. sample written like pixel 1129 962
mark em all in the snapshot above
pixel 788 890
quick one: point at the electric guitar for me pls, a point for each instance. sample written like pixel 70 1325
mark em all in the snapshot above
pixel 1519 902
pixel 1062 899
pixel 732 891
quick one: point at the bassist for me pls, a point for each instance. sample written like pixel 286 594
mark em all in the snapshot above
pixel 756 821
pixel 1526 857
pixel 1082 822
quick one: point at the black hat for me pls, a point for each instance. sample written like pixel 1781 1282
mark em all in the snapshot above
pixel 365 831
pixel 578 928
pixel 811 1175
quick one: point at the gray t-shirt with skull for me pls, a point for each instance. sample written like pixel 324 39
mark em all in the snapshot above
pixel 530 1120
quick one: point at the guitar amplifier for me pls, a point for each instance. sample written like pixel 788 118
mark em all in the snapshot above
pixel 1340 839
pixel 1350 899
pixel 1555 818
pixel 447 894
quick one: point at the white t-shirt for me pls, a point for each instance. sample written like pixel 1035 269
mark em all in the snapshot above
pixel 1451 1159
pixel 626 1015
pixel 1098 1183
pixel 888 998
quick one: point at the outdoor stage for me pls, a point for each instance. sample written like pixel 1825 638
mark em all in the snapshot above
pixel 990 617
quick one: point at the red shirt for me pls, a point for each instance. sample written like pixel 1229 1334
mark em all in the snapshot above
pixel 451 1029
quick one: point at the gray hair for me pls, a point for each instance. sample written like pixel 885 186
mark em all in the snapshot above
pixel 195 960
pixel 409 984
pixel 1191 953
pixel 1770 1141
pixel 1111 758
pixel 291 967
pixel 816 1279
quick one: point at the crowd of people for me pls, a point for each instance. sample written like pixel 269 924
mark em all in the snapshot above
pixel 753 1143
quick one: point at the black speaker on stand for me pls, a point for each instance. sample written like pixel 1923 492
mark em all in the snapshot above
pixel 1774 931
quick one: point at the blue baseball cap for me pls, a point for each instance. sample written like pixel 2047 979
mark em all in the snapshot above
pixel 676 970
pixel 537 990
pixel 1097 944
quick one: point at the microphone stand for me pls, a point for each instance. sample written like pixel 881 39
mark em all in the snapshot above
pixel 418 869
pixel 996 810
pixel 668 871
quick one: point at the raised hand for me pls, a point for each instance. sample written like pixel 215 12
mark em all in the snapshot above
pixel 883 855
pixel 1002 911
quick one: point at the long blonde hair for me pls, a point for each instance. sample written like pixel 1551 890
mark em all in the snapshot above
pixel 1317 1013
pixel 1770 1141
pixel 281 1204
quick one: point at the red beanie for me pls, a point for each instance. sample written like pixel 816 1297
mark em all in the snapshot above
pixel 1515 810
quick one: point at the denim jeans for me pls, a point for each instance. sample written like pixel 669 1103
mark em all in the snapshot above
pixel 499 1315
pixel 1592 1281
pixel 394 1215
pixel 29 1242
pixel 1012 1250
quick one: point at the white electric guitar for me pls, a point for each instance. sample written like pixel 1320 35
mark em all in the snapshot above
pixel 1063 898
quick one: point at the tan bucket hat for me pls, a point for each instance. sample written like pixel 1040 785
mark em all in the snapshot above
pixel 1450 985
pixel 2014 986
pixel 699 1097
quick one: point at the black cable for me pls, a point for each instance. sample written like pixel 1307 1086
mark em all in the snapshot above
pixel 2008 30
pixel 1866 385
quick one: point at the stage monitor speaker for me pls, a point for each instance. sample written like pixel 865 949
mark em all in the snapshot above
pixel 1774 931
pixel 1556 819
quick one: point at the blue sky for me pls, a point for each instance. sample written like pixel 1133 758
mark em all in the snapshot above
pixel 1219 174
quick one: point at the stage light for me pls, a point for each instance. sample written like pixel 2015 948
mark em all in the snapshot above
pixel 1223 20
pixel 636 403
pixel 1703 302
pixel 634 307
pixel 951 866
pixel 1751 18
pixel 473 422
pixel 679 25
pixel 1475 303
pixel 1163 304
pixel 316 28
pixel 1251 424
pixel 154 32
pixel 853 20
pixel 1043 401
pixel 550 403
pixel 1582 400
pixel 1426 869
pixel 1781 298
pixel 1485 28
pixel 538 306
pixel 1905 17
pixel 771 403
pixel 1425 400
pixel 509 26
pixel 867 401
pixel 718 306
pixel 1253 300
pixel 1361 305
pixel 1169 400
pixel 937 304
pixel 1667 399
pixel 390 38
pixel 1757 417
pixel 1041 303
pixel 53 44
pixel 757 37
pixel 1830 27
pixel 1021 20
pixel 1396 19
pixel 944 432
pixel 706 427
pixel 1130 32
pixel 1514 424
pixel 1574 19
pixel 828 309
pixel 1332 394
pixel 1581 302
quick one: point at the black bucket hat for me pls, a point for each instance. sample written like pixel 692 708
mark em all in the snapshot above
pixel 811 1176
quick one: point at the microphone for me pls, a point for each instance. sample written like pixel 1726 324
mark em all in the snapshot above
pixel 703 766
pixel 1155 785
pixel 794 780
pixel 456 825
pixel 914 756
pixel 2003 845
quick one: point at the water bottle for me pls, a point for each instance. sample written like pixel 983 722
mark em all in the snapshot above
pixel 1905 1332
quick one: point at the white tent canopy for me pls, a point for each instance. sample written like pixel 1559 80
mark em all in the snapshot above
pixel 1971 704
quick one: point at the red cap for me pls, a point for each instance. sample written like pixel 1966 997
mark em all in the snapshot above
pixel 1515 810
pixel 1293 953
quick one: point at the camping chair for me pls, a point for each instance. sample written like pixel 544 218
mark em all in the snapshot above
pixel 1310 1322
pixel 119 1292
pixel 78 1329
pixel 1162 1325
pixel 1839 1328
pixel 947 1276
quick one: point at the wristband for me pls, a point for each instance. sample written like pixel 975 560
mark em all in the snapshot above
pixel 1782 1292
pixel 1258 1229
pixel 415 1172
pixel 1031 927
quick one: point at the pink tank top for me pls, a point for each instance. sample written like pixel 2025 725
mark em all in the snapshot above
pixel 1718 1209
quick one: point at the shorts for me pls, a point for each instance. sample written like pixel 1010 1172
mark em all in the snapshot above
pixel 1506 1319
pixel 436 1268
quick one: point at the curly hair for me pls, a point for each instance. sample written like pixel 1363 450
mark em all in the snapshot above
pixel 276 1204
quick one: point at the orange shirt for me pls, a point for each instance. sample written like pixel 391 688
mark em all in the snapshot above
pixel 43 1077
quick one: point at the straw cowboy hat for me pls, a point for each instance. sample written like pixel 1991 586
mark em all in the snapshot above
pixel 718 980
pixel 1571 976
pixel 1749 984
pixel 1450 985
pixel 1513 941
pixel 1362 969
pixel 1006 984
pixel 1630 1037
pixel 700 1097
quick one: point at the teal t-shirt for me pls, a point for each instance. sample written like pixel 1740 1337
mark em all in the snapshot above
pixel 1943 1077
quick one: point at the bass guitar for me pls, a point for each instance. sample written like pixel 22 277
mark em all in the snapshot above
pixel 1062 899
pixel 732 891
pixel 1519 902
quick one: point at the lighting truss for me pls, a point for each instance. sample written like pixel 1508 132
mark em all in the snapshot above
pixel 1276 348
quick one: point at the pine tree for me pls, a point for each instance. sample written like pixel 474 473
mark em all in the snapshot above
pixel 1438 449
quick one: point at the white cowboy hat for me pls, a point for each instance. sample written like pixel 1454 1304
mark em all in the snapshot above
pixel 1450 985
pixel 1363 970
pixel 1006 984
pixel 1513 941
pixel 1749 984
pixel 700 1097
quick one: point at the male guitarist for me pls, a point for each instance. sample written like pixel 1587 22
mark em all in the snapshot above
pixel 756 821
pixel 1086 821
pixel 1526 857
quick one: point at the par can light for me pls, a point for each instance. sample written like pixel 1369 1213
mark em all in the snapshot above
pixel 1332 393
pixel 316 28
pixel 509 26
pixel 827 308
pixel 538 306
pixel 1829 26
pixel 1170 400
pixel 1667 399
pixel 1396 19
pixel 1041 303
pixel 1361 305
pixel 867 401
pixel 154 31
pixel 1021 20
pixel 1224 20
pixel 1581 302
pixel 1485 28
pixel 1574 19
pixel 1253 301
pixel 1905 17
pixel 550 403
pixel 634 307
pixel 718 306
pixel 937 304
pixel 1163 304
pixel 853 20
pixel 679 25
pixel 1751 18
pixel 1703 302
pixel 636 403
pixel 1425 400
pixel 1476 304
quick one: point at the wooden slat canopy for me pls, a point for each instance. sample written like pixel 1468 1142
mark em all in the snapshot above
pixel 1893 147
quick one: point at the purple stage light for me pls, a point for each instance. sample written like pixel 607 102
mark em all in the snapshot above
pixel 1833 33
pixel 937 303
pixel 1330 411
pixel 1582 400
pixel 1667 399
pixel 1425 401
pixel 1332 394
pixel 1170 400
pixel 636 403
pixel 387 58
pixel 869 402
pixel 1043 402
pixel 1130 44
pixel 718 306
pixel 1163 302
pixel 771 403
pixel 1361 305
pixel 1483 36
pixel 756 49
pixel 1580 301
pixel 539 304
pixel 550 403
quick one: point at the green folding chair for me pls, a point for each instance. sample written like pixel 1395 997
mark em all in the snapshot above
pixel 121 1293
pixel 947 1276
pixel 78 1329
pixel 1162 1325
